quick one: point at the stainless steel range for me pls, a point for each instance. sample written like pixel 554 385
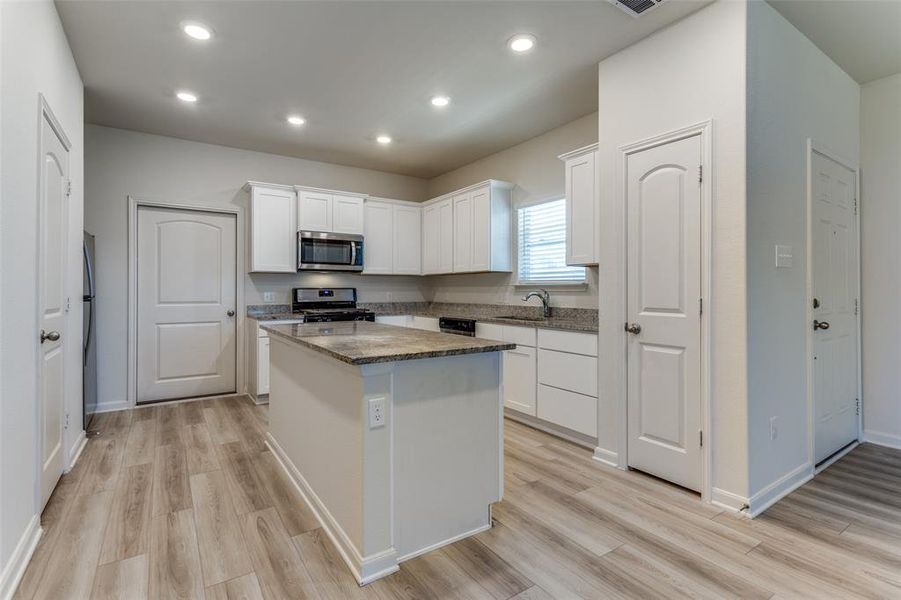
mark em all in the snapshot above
pixel 319 305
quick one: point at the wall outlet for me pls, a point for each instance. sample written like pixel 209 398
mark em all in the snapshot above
pixel 774 427
pixel 376 412
pixel 268 296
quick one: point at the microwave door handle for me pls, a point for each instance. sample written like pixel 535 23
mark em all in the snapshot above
pixel 353 253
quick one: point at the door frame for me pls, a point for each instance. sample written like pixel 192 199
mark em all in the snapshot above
pixel 814 146
pixel 134 203
pixel 705 130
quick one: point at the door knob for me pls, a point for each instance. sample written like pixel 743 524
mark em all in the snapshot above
pixel 52 336
pixel 230 313
pixel 633 328
pixel 820 325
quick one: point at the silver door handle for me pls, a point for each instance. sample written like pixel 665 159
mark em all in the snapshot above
pixel 633 328
pixel 820 325
pixel 230 313
pixel 52 336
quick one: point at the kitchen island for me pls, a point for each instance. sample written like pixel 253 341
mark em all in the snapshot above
pixel 393 435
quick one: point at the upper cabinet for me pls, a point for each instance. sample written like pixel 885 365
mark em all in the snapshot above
pixel 334 212
pixel 582 218
pixel 468 231
pixel 273 229
pixel 391 238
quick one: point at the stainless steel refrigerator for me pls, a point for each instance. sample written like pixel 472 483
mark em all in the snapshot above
pixel 89 303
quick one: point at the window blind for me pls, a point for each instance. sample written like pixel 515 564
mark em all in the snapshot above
pixel 542 245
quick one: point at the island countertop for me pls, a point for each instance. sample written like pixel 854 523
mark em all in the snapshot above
pixel 363 342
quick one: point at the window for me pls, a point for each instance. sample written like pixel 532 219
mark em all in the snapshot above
pixel 542 245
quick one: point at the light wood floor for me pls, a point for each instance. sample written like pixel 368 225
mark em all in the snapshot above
pixel 184 501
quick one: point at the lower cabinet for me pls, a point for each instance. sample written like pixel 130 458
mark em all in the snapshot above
pixel 568 409
pixel 262 366
pixel 519 379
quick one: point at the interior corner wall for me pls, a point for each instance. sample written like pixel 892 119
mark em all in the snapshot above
pixel 689 72
pixel 32 30
pixel 880 216
pixel 795 92
pixel 539 175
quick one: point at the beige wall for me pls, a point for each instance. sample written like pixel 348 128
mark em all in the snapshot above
pixel 538 174
pixel 122 163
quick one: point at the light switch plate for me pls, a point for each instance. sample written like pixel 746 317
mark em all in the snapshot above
pixel 268 296
pixel 784 257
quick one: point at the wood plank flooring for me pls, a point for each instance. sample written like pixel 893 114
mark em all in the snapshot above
pixel 184 501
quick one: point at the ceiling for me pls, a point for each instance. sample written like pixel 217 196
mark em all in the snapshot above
pixel 353 70
pixel 862 36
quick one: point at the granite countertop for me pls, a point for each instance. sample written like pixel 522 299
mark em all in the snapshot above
pixel 362 342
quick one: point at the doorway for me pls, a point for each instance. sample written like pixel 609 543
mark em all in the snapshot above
pixel 834 305
pixel 185 302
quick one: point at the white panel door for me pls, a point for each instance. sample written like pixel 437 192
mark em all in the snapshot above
pixel 463 233
pixel 835 278
pixel 54 220
pixel 581 210
pixel 407 240
pixel 378 238
pixel 663 202
pixel 481 229
pixel 314 211
pixel 431 239
pixel 446 236
pixel 185 303
pixel 347 214
pixel 273 239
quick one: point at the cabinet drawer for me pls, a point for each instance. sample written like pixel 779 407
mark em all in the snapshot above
pixel 397 320
pixel 426 323
pixel 521 336
pixel 572 372
pixel 490 331
pixel 568 341
pixel 568 409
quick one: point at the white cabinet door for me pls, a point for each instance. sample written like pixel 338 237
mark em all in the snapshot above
pixel 407 240
pixel 431 239
pixel 446 236
pixel 273 236
pixel 314 211
pixel 262 366
pixel 347 214
pixel 480 220
pixel 463 226
pixel 519 379
pixel 425 323
pixel 581 210
pixel 378 243
pixel 396 320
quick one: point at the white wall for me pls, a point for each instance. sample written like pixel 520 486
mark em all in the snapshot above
pixel 880 164
pixel 122 163
pixel 539 175
pixel 795 92
pixel 691 71
pixel 35 59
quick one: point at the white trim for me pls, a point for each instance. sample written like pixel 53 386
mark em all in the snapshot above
pixel 449 540
pixel 607 457
pixel 493 183
pixel 578 152
pixel 889 440
pixel 78 447
pixel 780 488
pixel 824 150
pixel 580 439
pixel 835 457
pixel 704 129
pixel 106 407
pixel 132 328
pixel 18 560
pixel 365 569
pixel 728 500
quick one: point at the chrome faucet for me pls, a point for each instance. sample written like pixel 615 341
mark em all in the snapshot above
pixel 545 300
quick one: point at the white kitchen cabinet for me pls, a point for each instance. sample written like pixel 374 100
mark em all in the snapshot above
pixel 314 211
pixel 425 323
pixel 576 342
pixel 396 320
pixel 463 221
pixel 273 229
pixel 438 237
pixel 347 214
pixel 519 380
pixel 582 219
pixel 572 372
pixel 568 409
pixel 407 240
pixel 262 377
pixel 446 237
pixel 378 238
pixel 329 211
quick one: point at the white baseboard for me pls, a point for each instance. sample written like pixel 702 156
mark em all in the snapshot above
pixel 365 569
pixel 836 457
pixel 569 435
pixel 105 407
pixel 608 457
pixel 450 540
pixel 780 488
pixel 889 440
pixel 18 561
pixel 80 443
pixel 728 500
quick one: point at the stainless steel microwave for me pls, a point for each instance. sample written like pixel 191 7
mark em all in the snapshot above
pixel 323 251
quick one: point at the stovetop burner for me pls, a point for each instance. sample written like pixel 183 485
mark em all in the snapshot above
pixel 318 305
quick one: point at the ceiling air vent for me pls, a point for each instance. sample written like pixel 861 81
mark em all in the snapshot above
pixel 635 8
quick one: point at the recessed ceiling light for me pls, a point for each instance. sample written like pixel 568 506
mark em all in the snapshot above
pixel 383 139
pixel 440 100
pixel 196 30
pixel 522 42
pixel 186 96
pixel 295 120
